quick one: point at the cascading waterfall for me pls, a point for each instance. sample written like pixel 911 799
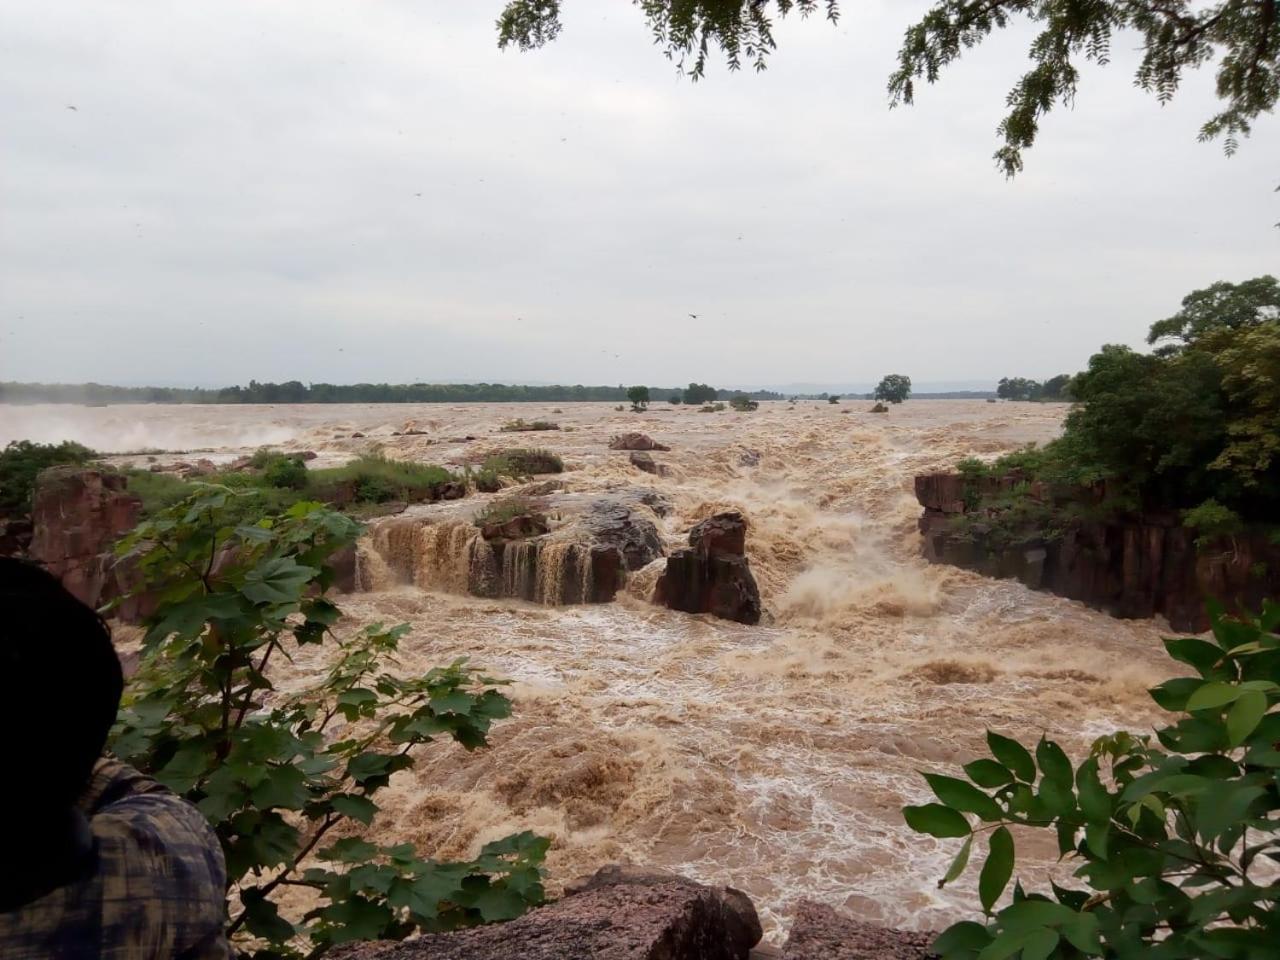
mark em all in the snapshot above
pixel 450 555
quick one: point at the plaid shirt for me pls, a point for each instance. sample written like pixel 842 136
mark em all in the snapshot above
pixel 157 890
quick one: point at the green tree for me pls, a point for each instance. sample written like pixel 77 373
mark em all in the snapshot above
pixel 1057 388
pixel 1017 388
pixel 676 399
pixel 1241 37
pixel 894 388
pixel 1219 306
pixel 286 777
pixel 639 397
pixel 1174 838
pixel 742 403
pixel 697 393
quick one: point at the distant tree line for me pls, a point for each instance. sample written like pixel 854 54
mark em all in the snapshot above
pixel 295 391
pixel 1020 388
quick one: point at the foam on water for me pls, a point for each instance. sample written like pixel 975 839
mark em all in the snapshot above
pixel 775 757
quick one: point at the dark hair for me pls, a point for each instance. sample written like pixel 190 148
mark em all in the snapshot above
pixel 60 685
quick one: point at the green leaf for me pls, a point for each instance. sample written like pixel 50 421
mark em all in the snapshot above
pixel 281 580
pixel 959 863
pixel 998 868
pixel 1013 755
pixel 499 903
pixel 262 918
pixel 966 935
pixel 1053 762
pixel 1095 802
pixel 962 796
pixel 1173 694
pixel 1200 654
pixel 284 787
pixel 988 773
pixel 355 807
pixel 936 820
pixel 1245 715
pixel 1212 695
pixel 1040 944
pixel 1222 805
pixel 350 850
pixel 356 918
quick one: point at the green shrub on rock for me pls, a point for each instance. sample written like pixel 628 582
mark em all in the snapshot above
pixel 21 462
pixel 287 777
pixel 1176 838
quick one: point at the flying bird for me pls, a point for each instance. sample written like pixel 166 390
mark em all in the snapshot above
pixel 70 107
pixel 694 315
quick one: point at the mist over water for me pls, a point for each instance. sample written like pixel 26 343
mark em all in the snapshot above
pixel 775 757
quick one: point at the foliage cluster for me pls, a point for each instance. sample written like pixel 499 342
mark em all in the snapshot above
pixel 712 408
pixel 522 462
pixel 1176 837
pixel 287 777
pixel 281 481
pixel 639 397
pixel 1020 388
pixel 894 388
pixel 696 393
pixel 1242 37
pixel 1192 422
pixel 21 462
pixel 743 403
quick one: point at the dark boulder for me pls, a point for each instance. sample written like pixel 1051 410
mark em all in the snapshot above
pixel 615 915
pixel 713 575
pixel 643 461
pixel 820 933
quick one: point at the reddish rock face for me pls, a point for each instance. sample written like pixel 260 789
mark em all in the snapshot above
pixel 78 514
pixel 615 915
pixel 636 441
pixel 713 575
pixel 818 931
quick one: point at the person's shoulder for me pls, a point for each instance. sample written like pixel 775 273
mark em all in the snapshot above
pixel 155 847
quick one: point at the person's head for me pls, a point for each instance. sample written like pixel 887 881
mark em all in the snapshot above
pixel 60 685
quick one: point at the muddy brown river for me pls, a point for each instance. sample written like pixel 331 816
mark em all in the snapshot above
pixel 773 757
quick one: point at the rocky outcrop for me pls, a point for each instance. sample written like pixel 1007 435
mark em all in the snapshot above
pixel 1132 566
pixel 820 933
pixel 617 914
pixel 643 461
pixel 713 575
pixel 581 556
pixel 635 441
pixel 77 516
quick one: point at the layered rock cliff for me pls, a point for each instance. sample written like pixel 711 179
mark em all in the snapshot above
pixel 1130 565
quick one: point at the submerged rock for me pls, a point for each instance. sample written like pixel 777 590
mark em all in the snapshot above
pixel 642 461
pixel 636 441
pixel 713 575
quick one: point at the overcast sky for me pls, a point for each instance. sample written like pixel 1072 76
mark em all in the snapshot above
pixel 370 190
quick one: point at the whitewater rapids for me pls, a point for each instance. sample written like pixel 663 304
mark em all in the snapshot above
pixel 774 758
